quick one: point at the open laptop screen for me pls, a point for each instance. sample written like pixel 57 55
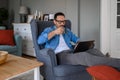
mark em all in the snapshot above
pixel 83 46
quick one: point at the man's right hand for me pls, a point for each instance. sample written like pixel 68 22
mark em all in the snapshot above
pixel 59 30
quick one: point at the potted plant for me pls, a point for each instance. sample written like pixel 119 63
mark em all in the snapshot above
pixel 3 16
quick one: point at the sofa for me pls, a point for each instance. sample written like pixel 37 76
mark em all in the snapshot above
pixel 51 70
pixel 13 49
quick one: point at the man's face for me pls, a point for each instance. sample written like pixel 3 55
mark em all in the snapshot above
pixel 59 21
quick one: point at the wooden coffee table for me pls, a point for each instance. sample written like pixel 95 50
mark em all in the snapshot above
pixel 15 66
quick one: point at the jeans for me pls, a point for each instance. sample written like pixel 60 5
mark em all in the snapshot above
pixel 90 57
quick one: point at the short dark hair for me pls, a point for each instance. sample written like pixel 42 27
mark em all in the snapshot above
pixel 58 14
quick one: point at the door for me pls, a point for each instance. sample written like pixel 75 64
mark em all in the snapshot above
pixel 115 28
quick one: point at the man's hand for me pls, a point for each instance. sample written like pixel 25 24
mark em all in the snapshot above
pixel 59 30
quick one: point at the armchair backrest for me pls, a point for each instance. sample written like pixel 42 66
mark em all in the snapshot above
pixel 44 24
pixel 38 26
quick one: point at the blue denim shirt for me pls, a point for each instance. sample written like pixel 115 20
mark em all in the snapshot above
pixel 53 42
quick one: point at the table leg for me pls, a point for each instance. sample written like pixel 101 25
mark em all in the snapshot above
pixel 37 73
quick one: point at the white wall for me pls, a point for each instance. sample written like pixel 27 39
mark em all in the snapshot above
pixel 14 9
pixel 69 7
pixel 84 14
pixel 105 26
pixel 90 21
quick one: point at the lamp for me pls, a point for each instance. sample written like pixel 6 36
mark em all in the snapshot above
pixel 23 13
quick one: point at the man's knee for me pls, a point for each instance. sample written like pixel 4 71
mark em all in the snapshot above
pixel 95 52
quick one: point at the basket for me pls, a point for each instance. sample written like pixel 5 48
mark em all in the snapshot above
pixel 3 56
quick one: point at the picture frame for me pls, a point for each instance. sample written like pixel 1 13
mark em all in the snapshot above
pixel 46 17
pixel 30 17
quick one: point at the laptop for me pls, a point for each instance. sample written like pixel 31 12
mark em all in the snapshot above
pixel 83 46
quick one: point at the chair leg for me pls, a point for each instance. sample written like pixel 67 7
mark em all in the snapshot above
pixel 93 78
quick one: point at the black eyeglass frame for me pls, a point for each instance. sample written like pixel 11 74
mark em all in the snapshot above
pixel 60 21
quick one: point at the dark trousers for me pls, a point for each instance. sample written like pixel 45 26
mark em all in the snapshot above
pixel 89 58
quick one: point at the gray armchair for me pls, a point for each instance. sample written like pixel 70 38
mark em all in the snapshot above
pixel 51 69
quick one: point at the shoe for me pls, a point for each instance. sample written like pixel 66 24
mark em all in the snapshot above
pixel 107 55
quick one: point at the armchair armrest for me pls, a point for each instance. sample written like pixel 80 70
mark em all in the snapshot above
pixel 18 42
pixel 47 56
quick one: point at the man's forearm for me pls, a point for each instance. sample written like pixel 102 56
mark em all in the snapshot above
pixel 51 34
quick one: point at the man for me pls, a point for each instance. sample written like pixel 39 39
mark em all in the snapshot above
pixel 59 39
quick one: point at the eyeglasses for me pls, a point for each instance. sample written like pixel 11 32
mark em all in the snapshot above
pixel 60 21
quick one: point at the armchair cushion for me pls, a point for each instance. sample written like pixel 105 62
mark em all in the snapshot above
pixel 7 37
pixel 8 48
pixel 65 70
pixel 102 72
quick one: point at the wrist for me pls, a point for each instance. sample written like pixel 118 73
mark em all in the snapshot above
pixel 54 32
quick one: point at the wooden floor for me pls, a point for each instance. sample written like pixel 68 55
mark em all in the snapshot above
pixel 29 57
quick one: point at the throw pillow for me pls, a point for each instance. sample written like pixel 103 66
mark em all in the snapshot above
pixel 7 37
pixel 102 72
